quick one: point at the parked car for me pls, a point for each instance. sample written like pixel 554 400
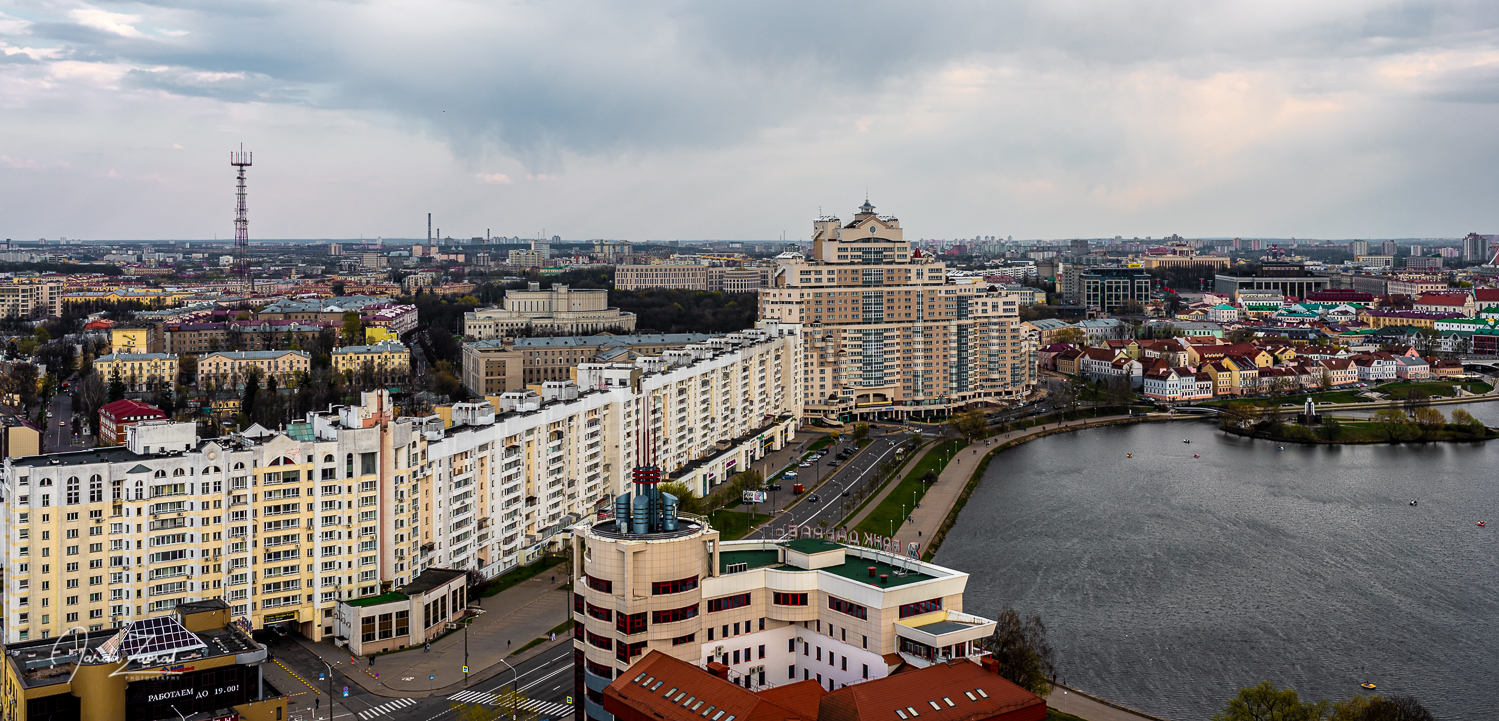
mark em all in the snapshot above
pixel 834 463
pixel 773 487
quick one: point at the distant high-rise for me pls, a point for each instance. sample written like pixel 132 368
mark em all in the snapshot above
pixel 1475 248
pixel 1387 248
pixel 1358 247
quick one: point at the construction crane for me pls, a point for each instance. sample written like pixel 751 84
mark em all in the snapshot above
pixel 736 258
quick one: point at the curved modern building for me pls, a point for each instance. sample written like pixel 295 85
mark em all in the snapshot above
pixel 772 612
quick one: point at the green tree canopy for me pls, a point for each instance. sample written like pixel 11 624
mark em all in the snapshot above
pixel 1020 647
pixel 1265 702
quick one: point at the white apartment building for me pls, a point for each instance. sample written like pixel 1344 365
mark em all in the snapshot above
pixel 354 501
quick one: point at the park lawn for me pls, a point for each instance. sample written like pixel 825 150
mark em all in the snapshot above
pixel 516 575
pixel 734 525
pixel 1399 390
pixel 889 513
pixel 821 443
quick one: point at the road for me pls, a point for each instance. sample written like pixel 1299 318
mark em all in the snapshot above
pixel 546 680
pixel 58 438
pixel 850 476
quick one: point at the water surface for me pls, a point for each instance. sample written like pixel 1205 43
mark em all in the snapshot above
pixel 1168 582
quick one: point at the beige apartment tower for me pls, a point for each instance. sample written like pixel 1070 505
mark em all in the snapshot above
pixel 887 334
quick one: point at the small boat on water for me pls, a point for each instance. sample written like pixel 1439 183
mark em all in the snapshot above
pixel 1367 685
pixel 1129 455
pixel 1194 455
pixel 1413 501
pixel 1186 440
pixel 1481 523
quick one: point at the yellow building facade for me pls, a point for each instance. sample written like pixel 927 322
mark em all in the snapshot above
pixel 129 340
pixel 138 371
pixel 388 359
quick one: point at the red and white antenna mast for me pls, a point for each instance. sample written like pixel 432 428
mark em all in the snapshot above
pixel 242 160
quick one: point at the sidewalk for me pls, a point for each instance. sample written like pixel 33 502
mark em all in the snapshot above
pixel 511 619
pixel 940 497
pixel 1078 703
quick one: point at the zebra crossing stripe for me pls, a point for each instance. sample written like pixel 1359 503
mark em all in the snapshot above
pixel 547 708
pixel 472 697
pixel 386 708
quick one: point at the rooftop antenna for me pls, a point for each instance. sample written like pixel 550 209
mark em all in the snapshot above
pixel 242 160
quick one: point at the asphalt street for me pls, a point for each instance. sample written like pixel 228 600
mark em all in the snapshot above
pixel 545 680
pixel 852 475
pixel 58 432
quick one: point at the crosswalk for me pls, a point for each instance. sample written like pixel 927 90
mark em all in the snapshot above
pixel 544 709
pixel 386 708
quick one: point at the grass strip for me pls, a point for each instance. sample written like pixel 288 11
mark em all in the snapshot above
pixel 888 513
pixel 876 492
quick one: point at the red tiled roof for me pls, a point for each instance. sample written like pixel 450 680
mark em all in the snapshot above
pixel 127 408
pixel 1486 294
pixel 929 690
pixel 628 693
pixel 1441 299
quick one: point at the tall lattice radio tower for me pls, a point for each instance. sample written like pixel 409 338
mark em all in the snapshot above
pixel 242 160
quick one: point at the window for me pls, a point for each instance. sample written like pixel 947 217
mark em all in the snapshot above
pixel 852 609
pixel 662 588
pixel 578 603
pixel 599 584
pixel 728 602
pixel 628 651
pixel 598 641
pixel 72 490
pixel 602 614
pixel 674 615
pixel 916 609
pixel 789 599
pixel 679 640
pixel 630 624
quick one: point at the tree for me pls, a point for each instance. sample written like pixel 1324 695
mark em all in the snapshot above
pixel 1265 702
pixel 687 501
pixel 1330 429
pixel 252 393
pixel 353 329
pixel 1461 417
pixel 116 386
pixel 1020 648
pixel 1429 419
pixel 1395 424
pixel 21 383
pixel 1120 390
pixel 1395 708
pixel 338 287
pixel 1070 336
pixel 187 370
pixel 1428 342
pixel 969 425
pixel 861 431
pixel 1240 335
pixel 1415 398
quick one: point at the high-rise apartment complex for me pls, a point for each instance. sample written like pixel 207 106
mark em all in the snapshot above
pixel 30 298
pixel 886 333
pixel 354 501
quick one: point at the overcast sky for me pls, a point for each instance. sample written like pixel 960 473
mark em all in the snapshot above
pixel 638 120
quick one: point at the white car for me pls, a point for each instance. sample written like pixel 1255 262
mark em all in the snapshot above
pixel 804 464
pixel 789 474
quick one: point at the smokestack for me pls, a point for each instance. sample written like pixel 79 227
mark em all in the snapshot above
pixel 429 229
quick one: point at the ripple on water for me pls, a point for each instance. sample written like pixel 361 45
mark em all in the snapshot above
pixel 1168 582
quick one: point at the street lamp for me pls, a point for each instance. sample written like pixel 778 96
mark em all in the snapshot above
pixel 514 676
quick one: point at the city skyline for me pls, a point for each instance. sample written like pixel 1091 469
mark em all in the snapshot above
pixel 1028 120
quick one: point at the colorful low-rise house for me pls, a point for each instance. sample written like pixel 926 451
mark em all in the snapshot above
pixel 378 334
pixel 1485 298
pixel 115 417
pixel 1417 319
pixel 140 372
pixel 1457 303
pixel 1409 368
pixel 1067 361
pixel 1374 367
pixel 1339 371
pixel 230 369
pixel 1445 367
pixel 1224 313
pixel 1164 383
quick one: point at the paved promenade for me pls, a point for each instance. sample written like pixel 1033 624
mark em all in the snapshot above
pixel 511 619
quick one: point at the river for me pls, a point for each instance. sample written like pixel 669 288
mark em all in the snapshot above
pixel 1168 582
